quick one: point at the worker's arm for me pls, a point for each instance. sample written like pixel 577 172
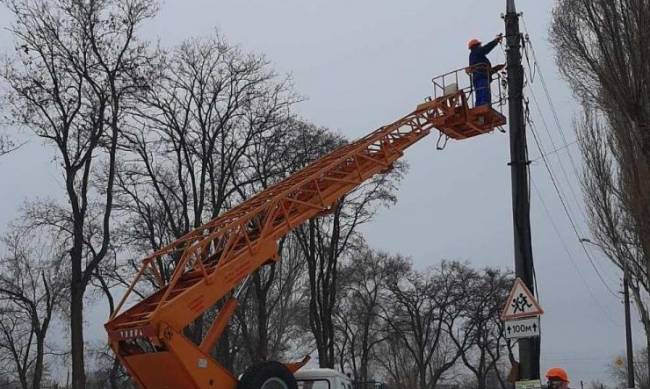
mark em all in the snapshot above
pixel 490 46
pixel 485 49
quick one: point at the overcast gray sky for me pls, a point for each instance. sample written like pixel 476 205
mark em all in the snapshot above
pixel 365 63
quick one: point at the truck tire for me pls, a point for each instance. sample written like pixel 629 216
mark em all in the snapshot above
pixel 268 375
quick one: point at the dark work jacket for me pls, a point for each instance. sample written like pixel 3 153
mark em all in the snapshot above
pixel 478 55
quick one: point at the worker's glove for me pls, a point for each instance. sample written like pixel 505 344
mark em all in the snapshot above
pixel 499 38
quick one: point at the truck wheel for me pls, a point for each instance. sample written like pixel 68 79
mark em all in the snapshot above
pixel 268 375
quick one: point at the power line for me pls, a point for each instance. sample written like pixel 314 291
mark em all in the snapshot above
pixel 548 98
pixel 569 255
pixel 544 158
pixel 550 137
pixel 536 159
pixel 559 127
pixel 565 144
pixel 568 214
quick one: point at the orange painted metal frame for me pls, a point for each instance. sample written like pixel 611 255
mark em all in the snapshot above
pixel 217 256
pixel 469 120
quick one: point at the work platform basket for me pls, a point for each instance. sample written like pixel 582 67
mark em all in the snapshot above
pixel 466 119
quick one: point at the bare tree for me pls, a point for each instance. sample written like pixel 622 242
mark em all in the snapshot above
pixel 193 152
pixel 31 286
pixel 619 372
pixel 602 51
pixel 364 284
pixel 610 217
pixel 597 385
pixel 269 316
pixel 271 313
pixel 104 374
pixel 327 239
pixel 107 278
pixel 199 119
pixel 76 68
pixel 400 369
pixel 425 306
pixel 7 145
pixel 485 294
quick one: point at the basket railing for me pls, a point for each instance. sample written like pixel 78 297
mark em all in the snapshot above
pixel 463 80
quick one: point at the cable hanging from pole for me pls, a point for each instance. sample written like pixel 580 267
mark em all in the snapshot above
pixel 559 160
pixel 566 210
pixel 552 152
pixel 570 256
pixel 548 96
pixel 565 145
pixel 543 154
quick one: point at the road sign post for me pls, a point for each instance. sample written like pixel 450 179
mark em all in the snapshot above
pixel 521 317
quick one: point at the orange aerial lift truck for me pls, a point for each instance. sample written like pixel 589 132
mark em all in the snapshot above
pixel 218 257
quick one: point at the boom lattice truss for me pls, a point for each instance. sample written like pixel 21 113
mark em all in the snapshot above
pixel 216 257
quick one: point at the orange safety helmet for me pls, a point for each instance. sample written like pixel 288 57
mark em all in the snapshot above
pixel 557 373
pixel 472 43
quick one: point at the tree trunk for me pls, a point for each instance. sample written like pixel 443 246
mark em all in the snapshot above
pixel 329 337
pixel 481 374
pixel 481 381
pixel 363 370
pixel 435 377
pixel 38 366
pixel 112 378
pixel 22 375
pixel 76 332
pixel 194 331
pixel 315 298
pixel 262 322
pixel 330 283
pixel 323 355
pixel 645 318
pixel 423 377
pixel 647 364
pixel 222 352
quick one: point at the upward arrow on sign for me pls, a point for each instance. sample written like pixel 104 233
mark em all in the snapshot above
pixel 520 303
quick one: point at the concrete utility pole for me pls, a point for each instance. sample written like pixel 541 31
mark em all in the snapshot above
pixel 628 329
pixel 529 347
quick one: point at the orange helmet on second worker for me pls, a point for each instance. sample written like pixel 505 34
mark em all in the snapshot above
pixel 557 373
pixel 472 43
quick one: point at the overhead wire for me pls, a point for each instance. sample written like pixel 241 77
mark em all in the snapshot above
pixel 543 156
pixel 532 72
pixel 547 93
pixel 566 209
pixel 558 123
pixel 559 159
pixel 570 255
pixel 526 43
pixel 539 158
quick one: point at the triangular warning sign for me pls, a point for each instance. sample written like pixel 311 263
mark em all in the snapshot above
pixel 520 303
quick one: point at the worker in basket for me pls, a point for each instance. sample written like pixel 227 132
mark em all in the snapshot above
pixel 481 70
pixel 557 378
